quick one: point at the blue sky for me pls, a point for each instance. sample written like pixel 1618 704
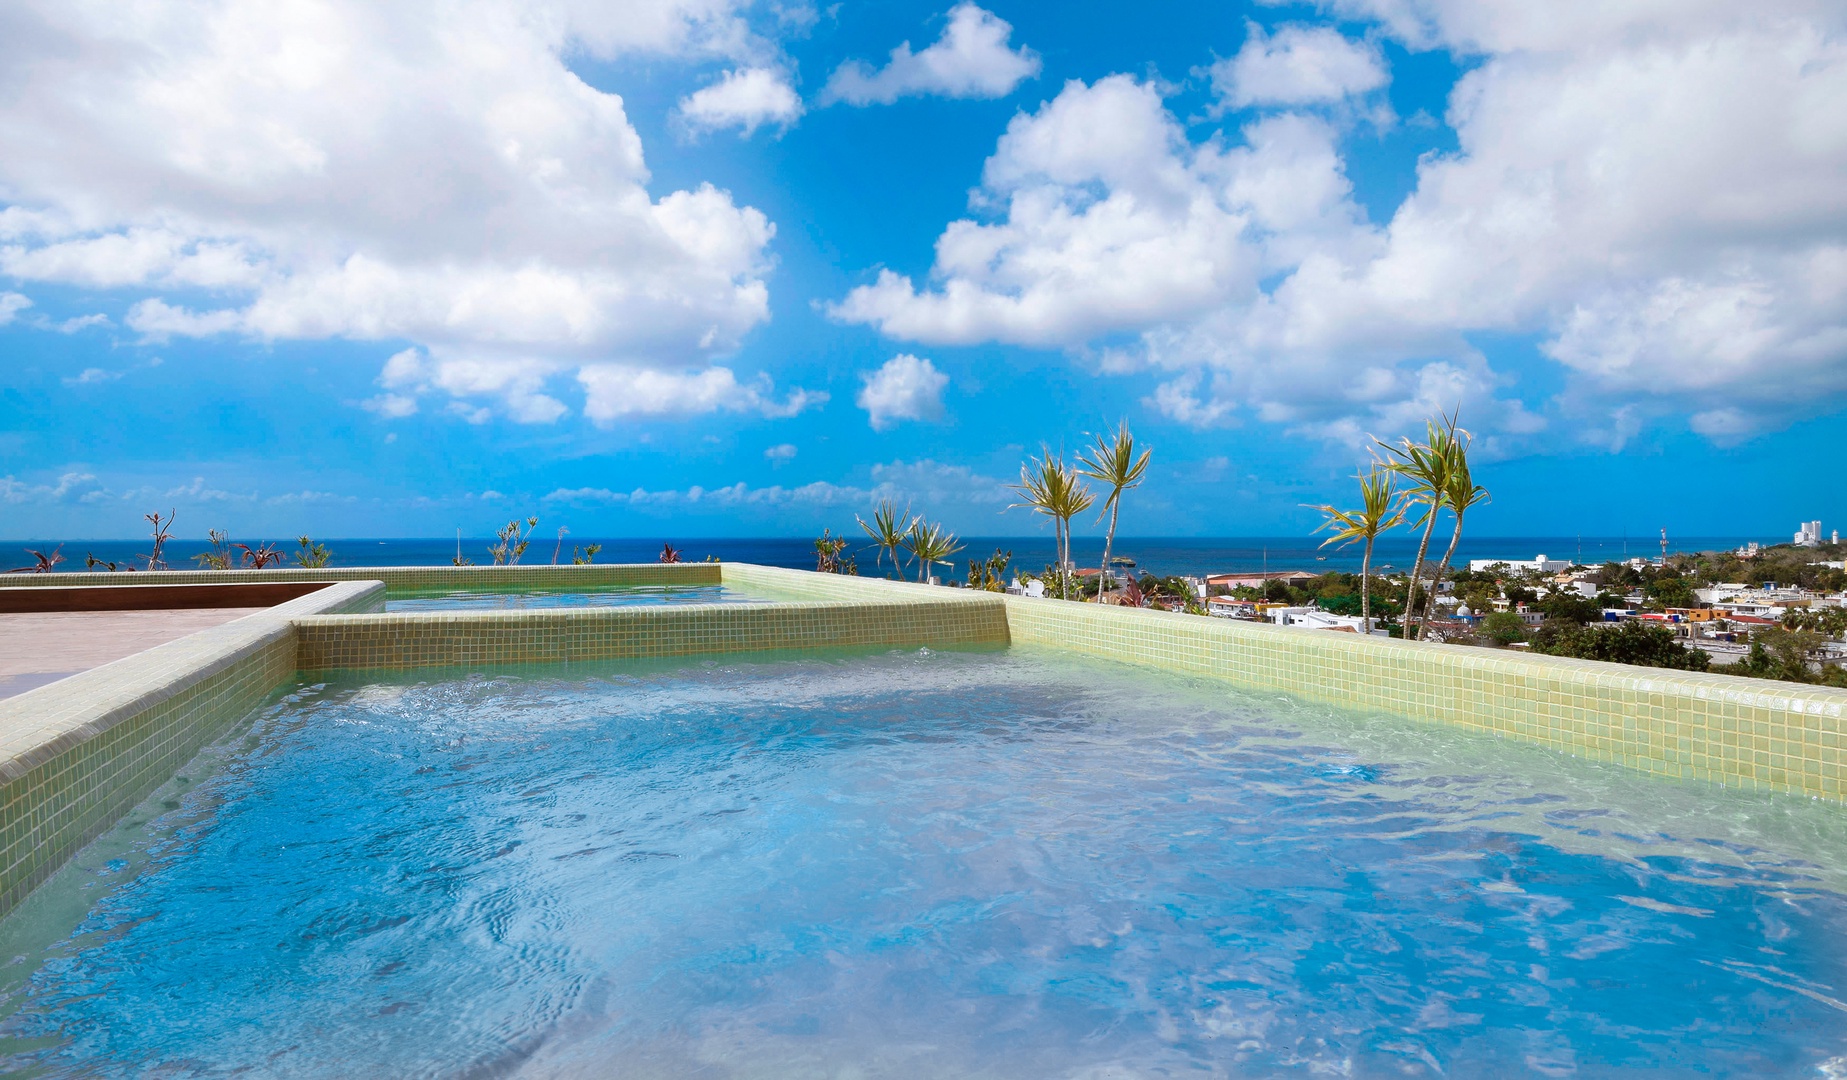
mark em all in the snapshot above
pixel 741 269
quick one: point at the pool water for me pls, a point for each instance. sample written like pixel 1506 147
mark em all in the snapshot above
pixel 615 596
pixel 1001 864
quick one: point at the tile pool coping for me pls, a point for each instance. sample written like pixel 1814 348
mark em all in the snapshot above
pixel 77 754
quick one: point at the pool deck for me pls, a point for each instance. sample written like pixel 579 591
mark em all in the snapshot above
pixel 41 647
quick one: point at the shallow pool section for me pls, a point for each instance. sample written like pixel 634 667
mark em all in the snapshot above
pixel 982 864
pixel 613 596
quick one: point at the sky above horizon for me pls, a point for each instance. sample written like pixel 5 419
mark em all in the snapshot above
pixel 742 269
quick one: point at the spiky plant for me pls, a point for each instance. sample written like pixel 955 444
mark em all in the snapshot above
pixel 1379 512
pixel 1053 488
pixel 1462 495
pixel 887 530
pixel 1114 464
pixel 929 544
pixel 1427 467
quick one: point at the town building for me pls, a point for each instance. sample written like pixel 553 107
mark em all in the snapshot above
pixel 1809 534
pixel 1538 564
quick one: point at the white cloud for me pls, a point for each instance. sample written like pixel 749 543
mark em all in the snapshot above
pixel 1298 65
pixel 905 387
pixel 341 169
pixel 924 483
pixel 81 322
pixel 92 377
pixel 71 487
pixel 1651 191
pixel 621 391
pixel 199 491
pixel 781 453
pixel 970 60
pixel 517 384
pixel 11 304
pixel 746 99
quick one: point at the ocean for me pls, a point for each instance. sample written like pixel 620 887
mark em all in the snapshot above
pixel 1156 555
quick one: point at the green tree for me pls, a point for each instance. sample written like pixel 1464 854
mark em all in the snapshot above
pixel 1503 628
pixel 1427 467
pixel 1379 512
pixel 1116 466
pixel 1781 653
pixel 1052 488
pixel 1571 607
pixel 1460 495
pixel 1671 592
pixel 1629 642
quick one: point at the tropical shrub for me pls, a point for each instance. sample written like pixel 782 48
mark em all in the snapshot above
pixel 1631 642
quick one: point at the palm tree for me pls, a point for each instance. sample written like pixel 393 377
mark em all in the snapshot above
pixel 1461 494
pixel 1427 466
pixel 887 533
pixel 1379 512
pixel 1052 488
pixel 1115 465
pixel 930 544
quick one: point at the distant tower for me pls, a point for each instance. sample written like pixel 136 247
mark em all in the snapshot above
pixel 1663 547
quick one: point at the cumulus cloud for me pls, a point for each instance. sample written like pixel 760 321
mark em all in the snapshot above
pixel 621 391
pixel 11 304
pixel 970 60
pixel 518 385
pixel 905 387
pixel 91 377
pixel 745 99
pixel 924 482
pixel 1298 65
pixel 1651 192
pixel 780 453
pixel 418 171
pixel 72 486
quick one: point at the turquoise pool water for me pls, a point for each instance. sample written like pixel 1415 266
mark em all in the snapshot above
pixel 958 864
pixel 610 597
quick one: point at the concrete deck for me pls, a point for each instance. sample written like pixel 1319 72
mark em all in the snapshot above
pixel 42 647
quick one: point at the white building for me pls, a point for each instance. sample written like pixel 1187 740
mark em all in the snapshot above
pixel 1809 535
pixel 1539 564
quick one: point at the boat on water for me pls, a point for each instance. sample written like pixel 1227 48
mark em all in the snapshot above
pixel 1121 560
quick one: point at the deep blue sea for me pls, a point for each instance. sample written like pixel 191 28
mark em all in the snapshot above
pixel 1157 555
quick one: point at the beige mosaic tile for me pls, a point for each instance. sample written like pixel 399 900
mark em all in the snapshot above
pixel 77 754
pixel 449 639
pixel 1747 733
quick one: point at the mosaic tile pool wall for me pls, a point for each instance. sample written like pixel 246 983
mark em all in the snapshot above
pixel 77 754
pixel 1747 733
pixel 560 636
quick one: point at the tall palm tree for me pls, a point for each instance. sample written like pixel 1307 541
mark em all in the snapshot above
pixel 1460 496
pixel 1427 466
pixel 887 529
pixel 1115 465
pixel 1052 488
pixel 1379 512
pixel 930 544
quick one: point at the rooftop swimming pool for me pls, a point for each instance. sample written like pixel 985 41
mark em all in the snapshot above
pixel 612 596
pixel 998 864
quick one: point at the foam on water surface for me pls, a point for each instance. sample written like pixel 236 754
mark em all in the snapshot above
pixel 986 864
